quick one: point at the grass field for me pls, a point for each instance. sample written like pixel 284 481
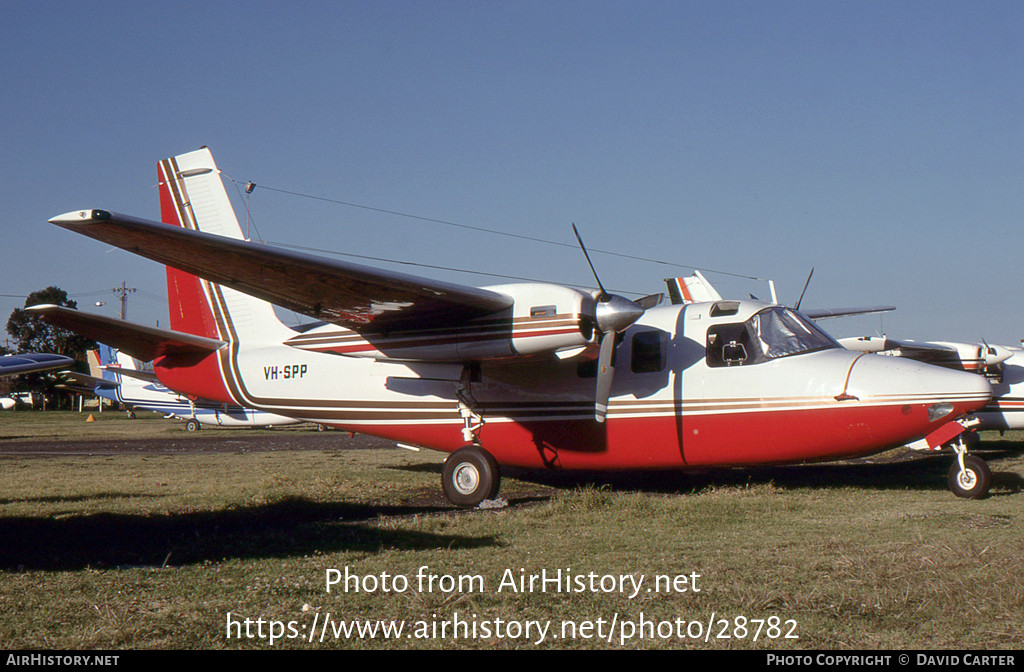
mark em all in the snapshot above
pixel 154 550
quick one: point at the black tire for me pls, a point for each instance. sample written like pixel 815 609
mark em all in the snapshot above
pixel 974 482
pixel 470 476
pixel 192 425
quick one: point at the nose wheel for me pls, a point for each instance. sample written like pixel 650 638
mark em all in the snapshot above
pixel 470 476
pixel 969 476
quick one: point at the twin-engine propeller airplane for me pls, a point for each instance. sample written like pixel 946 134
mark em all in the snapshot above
pixel 531 374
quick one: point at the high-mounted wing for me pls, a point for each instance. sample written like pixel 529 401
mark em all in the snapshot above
pixel 28 363
pixel 137 340
pixel 359 297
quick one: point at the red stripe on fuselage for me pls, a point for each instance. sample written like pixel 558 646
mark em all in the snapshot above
pixel 708 440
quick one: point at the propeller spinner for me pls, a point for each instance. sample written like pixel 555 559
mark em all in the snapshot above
pixel 613 314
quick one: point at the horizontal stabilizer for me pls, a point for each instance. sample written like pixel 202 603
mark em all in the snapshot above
pixel 139 341
pixel 14 364
pixel 827 313
pixel 358 297
pixel 145 376
pixel 90 382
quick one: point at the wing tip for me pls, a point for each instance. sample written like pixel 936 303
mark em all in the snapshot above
pixel 80 217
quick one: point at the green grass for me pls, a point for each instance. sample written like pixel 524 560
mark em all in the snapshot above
pixel 153 551
pixel 72 425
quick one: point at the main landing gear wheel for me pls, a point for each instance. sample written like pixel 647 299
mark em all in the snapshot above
pixel 192 425
pixel 971 482
pixel 470 476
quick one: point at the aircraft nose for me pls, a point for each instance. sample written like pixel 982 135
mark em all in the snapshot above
pixel 937 391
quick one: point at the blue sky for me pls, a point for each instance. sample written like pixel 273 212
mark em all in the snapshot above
pixel 880 143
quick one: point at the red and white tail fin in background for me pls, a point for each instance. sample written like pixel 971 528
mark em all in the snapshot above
pixel 192 196
pixel 694 289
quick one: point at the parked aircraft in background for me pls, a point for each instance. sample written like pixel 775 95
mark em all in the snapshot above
pixel 31 362
pixel 1002 365
pixel 697 289
pixel 531 374
pixel 127 381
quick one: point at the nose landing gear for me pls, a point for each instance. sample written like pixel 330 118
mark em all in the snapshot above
pixel 969 475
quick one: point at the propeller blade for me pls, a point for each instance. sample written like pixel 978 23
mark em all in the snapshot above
pixel 612 314
pixel 800 300
pixel 604 294
pixel 605 376
pixel 650 301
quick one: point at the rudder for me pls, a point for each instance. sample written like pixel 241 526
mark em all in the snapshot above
pixel 192 195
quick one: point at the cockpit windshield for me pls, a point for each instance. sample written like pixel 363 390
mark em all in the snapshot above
pixel 781 332
pixel 770 334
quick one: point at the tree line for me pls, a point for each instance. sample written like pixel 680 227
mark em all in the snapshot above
pixel 30 333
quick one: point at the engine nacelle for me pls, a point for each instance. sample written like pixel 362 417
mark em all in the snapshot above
pixel 544 320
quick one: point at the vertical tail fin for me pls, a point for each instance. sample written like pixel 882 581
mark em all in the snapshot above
pixel 95 360
pixel 693 289
pixel 192 195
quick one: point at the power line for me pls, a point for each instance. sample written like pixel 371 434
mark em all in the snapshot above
pixel 486 230
pixel 431 266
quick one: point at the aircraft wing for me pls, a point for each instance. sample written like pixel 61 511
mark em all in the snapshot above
pixel 355 296
pixel 30 362
pixel 88 382
pixel 144 376
pixel 827 313
pixel 137 340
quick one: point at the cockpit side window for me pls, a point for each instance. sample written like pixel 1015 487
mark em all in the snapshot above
pixel 730 345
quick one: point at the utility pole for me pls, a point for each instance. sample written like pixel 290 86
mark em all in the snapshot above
pixel 122 293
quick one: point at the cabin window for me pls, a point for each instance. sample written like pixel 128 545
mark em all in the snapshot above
pixel 648 352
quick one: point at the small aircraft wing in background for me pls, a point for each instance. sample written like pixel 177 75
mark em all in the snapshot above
pixel 11 365
pixel 144 376
pixel 87 383
pixel 31 362
pixel 827 313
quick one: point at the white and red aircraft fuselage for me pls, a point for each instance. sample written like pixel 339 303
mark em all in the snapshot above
pixel 531 374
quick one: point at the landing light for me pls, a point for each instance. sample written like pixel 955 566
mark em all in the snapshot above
pixel 939 411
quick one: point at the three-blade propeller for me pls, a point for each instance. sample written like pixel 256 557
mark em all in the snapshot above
pixel 613 314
